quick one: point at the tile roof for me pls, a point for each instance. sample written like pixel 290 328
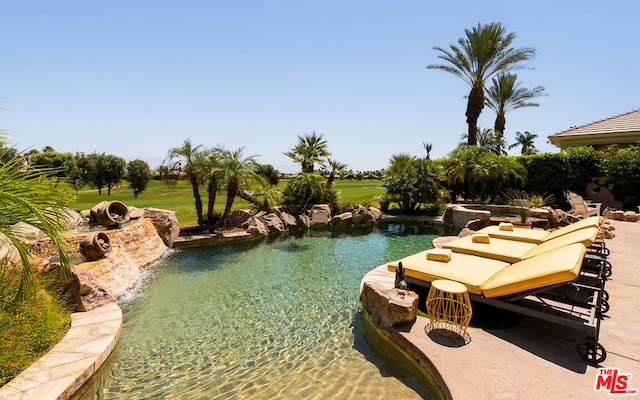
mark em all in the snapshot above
pixel 621 123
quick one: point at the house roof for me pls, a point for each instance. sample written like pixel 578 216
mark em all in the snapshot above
pixel 621 129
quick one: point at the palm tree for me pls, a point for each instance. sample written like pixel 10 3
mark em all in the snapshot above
pixel 505 94
pixel 237 173
pixel 188 154
pixel 428 147
pixel 526 141
pixel 336 167
pixel 311 149
pixel 306 188
pixel 484 52
pixel 34 197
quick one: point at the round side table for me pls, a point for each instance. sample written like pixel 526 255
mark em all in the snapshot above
pixel 449 308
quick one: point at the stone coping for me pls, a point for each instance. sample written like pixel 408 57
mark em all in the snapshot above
pixel 535 359
pixel 69 364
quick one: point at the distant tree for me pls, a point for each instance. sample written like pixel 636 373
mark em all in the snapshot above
pixel 87 173
pixel 334 167
pixel 309 150
pixel 484 51
pixel 112 169
pixel 63 165
pixel 138 174
pixel 526 141
pixel 505 94
pixel 270 173
pixel 428 147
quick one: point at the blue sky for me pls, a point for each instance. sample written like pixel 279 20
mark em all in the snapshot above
pixel 136 78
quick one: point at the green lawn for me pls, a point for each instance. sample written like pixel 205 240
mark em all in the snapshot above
pixel 179 198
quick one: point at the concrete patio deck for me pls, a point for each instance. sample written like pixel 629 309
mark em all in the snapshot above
pixel 537 359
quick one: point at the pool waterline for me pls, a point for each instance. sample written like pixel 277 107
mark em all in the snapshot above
pixel 278 318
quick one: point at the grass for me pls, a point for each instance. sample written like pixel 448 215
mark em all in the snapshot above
pixel 28 329
pixel 179 198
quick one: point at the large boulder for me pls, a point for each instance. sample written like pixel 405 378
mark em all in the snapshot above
pixel 238 217
pixel 165 222
pixel 631 216
pixel 288 220
pixel 320 215
pixel 346 218
pixel 375 213
pixel 255 227
pixel 388 306
pixel 362 216
pixel 303 221
pixel 29 233
pixel 273 223
pixel 87 292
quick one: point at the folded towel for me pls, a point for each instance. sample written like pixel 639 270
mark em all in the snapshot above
pixel 506 226
pixel 480 238
pixel 443 255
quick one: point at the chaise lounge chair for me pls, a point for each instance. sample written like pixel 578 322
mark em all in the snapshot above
pixel 549 285
pixel 512 251
pixel 580 207
pixel 537 236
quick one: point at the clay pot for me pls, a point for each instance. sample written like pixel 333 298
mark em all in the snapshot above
pixel 95 245
pixel 113 213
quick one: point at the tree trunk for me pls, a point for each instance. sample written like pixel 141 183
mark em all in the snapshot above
pixel 232 189
pixel 262 206
pixel 474 108
pixel 212 190
pixel 196 195
pixel 500 123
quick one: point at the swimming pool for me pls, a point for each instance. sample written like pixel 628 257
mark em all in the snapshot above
pixel 278 318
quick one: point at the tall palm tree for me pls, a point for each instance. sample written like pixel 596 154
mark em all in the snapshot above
pixel 238 173
pixel 309 150
pixel 34 197
pixel 526 141
pixel 188 153
pixel 335 167
pixel 505 94
pixel 484 51
pixel 209 164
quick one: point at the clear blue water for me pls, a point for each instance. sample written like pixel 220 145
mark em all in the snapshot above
pixel 278 318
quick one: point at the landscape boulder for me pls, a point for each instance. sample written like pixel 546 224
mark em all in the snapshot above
pixel 346 218
pixel 388 306
pixel 238 218
pixel 86 291
pixel 320 215
pixel 273 223
pixel 165 222
pixel 255 227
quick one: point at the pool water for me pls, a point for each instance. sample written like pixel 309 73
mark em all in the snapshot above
pixel 278 318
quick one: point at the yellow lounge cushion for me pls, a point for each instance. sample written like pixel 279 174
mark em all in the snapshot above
pixel 538 235
pixel 506 226
pixel 443 255
pixel 556 266
pixel 471 271
pixel 500 249
pixel 480 238
pixel 586 237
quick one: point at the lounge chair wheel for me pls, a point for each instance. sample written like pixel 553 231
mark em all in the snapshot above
pixel 591 351
pixel 604 306
pixel 607 272
pixel 605 295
